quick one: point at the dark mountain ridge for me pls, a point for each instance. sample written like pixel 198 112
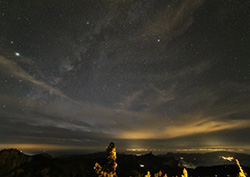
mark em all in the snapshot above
pixel 211 158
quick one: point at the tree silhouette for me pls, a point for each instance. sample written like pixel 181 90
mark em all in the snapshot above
pixel 111 158
pixel 109 168
pixel 241 173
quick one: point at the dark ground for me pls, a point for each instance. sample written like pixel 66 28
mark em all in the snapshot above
pixel 13 163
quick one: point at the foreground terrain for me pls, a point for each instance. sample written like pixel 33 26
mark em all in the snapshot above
pixel 14 163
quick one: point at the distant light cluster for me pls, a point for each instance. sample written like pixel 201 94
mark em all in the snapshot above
pixel 143 150
pixel 185 150
pixel 227 158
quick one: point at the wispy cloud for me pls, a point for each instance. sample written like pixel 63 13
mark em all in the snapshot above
pixel 11 68
pixel 187 129
pixel 174 20
pixel 122 122
pixel 148 98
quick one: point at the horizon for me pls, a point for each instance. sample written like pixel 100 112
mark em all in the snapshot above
pixel 145 74
pixel 54 151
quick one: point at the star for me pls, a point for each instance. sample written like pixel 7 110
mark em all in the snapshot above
pixel 17 54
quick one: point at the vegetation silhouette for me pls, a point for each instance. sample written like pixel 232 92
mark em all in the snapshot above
pixel 109 167
pixel 241 173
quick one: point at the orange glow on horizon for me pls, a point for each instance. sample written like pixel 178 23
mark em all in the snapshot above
pixel 43 147
pixel 185 149
pixel 187 129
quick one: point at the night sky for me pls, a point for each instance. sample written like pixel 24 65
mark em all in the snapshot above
pixel 166 75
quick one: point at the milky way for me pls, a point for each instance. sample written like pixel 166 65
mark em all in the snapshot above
pixel 164 75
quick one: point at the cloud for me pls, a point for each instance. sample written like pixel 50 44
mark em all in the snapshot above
pixel 186 129
pixel 125 122
pixel 12 68
pixel 187 124
pixel 174 20
pixel 59 110
pixel 147 98
pixel 204 127
pixel 192 70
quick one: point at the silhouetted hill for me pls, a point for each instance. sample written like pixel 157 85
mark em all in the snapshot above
pixel 14 163
pixel 11 160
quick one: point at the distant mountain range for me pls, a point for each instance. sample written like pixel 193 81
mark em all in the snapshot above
pixel 211 158
pixel 14 163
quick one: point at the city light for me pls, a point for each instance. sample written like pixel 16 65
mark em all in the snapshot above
pixel 227 158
